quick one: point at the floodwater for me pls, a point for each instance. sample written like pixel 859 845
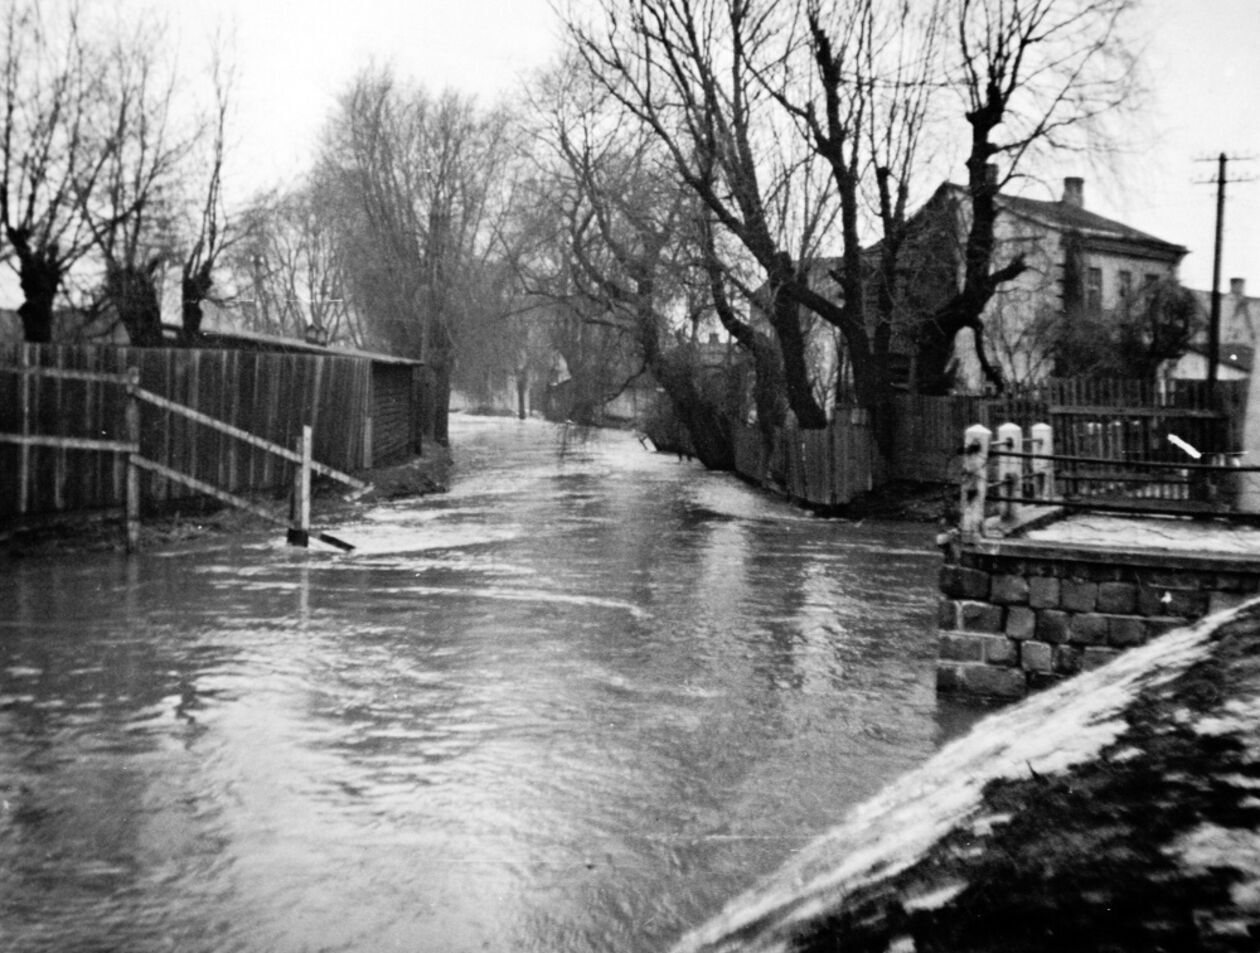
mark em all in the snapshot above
pixel 575 704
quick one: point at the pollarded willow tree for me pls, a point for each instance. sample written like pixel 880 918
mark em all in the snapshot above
pixel 424 183
pixel 51 152
pixel 749 96
pixel 617 248
pixel 1036 78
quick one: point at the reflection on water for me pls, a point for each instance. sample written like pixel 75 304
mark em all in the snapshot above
pixel 574 704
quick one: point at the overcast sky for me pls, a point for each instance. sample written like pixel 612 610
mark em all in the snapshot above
pixel 294 56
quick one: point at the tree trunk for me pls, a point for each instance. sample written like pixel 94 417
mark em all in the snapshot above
pixel 785 316
pixel 39 274
pixel 133 295
pixel 194 288
pixel 442 402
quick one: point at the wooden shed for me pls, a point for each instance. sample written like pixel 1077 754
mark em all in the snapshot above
pixel 398 418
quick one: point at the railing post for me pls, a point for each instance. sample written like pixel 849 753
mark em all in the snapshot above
pixel 300 535
pixel 975 462
pixel 1043 467
pixel 1009 469
pixel 131 505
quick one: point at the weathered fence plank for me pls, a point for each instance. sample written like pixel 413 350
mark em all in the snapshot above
pixel 82 397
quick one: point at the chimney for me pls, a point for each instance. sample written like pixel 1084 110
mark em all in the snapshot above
pixel 1238 287
pixel 1074 191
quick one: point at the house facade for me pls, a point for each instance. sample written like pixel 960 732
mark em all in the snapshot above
pixel 1078 262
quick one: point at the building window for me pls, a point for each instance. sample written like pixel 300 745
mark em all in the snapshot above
pixel 1126 285
pixel 1093 290
pixel 1149 279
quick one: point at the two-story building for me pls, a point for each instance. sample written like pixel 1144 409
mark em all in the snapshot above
pixel 1077 262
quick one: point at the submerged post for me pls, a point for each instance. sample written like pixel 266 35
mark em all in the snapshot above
pixel 300 534
pixel 975 462
pixel 131 504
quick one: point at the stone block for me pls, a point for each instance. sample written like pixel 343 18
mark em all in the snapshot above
pixel 960 582
pixel 949 677
pixel 947 615
pixel 1095 657
pixel 1155 627
pixel 1151 602
pixel 1088 628
pixel 1052 626
pixel 1219 601
pixel 1021 622
pixel 1036 657
pixel 1118 598
pixel 1009 590
pixel 1126 631
pixel 1171 579
pixel 1066 659
pixel 1076 595
pixel 999 650
pixel 980 617
pixel 1043 592
pixel 984 681
pixel 1188 604
pixel 959 647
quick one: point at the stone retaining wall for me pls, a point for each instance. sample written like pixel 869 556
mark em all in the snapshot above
pixel 1016 616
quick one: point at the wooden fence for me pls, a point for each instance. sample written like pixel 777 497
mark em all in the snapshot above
pixel 1119 420
pixel 820 468
pixel 1101 420
pixel 267 394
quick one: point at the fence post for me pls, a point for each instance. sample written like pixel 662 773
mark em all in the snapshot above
pixel 1009 469
pixel 974 480
pixel 300 535
pixel 24 449
pixel 1043 467
pixel 131 504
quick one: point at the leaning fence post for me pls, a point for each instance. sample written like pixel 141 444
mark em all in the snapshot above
pixel 300 535
pixel 1042 465
pixel 131 505
pixel 1009 469
pixel 975 462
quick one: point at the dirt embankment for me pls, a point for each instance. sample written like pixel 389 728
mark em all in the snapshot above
pixel 191 520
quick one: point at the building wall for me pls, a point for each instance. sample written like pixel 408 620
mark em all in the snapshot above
pixel 1018 315
pixel 1017 616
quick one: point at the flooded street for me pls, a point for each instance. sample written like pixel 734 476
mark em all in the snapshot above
pixel 575 704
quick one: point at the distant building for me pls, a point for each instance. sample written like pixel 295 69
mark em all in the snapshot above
pixel 1240 324
pixel 1076 259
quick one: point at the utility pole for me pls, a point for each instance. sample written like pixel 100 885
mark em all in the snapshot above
pixel 1214 319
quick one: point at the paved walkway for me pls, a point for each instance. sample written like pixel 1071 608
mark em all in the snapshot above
pixel 1171 533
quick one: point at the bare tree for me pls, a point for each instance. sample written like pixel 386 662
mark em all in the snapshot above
pixel 1036 76
pixel 50 150
pixel 212 234
pixel 129 209
pixel 425 177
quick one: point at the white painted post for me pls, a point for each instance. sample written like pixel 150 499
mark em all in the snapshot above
pixel 1009 469
pixel 1043 469
pixel 975 462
